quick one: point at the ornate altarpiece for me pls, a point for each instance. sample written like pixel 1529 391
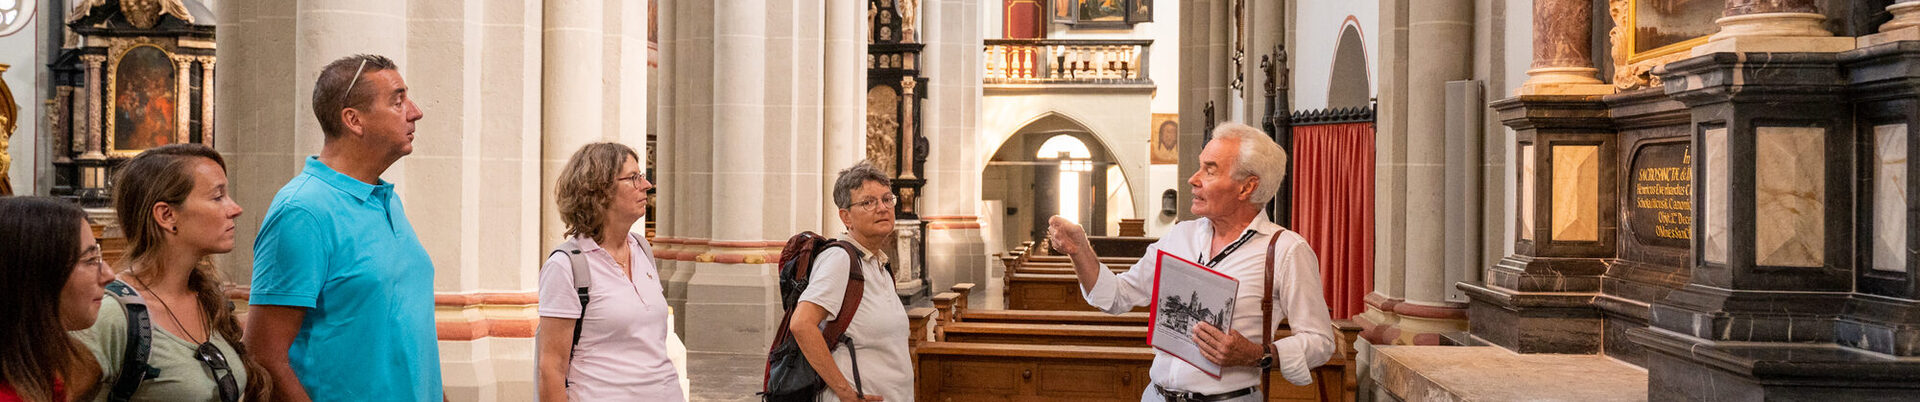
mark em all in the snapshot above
pixel 894 95
pixel 131 75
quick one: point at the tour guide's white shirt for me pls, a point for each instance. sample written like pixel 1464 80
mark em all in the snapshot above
pixel 1296 296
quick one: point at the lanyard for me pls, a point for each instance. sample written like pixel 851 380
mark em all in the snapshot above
pixel 1229 250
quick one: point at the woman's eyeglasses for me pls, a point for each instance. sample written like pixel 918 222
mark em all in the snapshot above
pixel 874 204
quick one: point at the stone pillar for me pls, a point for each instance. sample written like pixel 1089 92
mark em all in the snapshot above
pixel 845 76
pixel 206 101
pixel 93 112
pixel 1772 26
pixel 956 251
pixel 746 147
pixel 573 105
pixel 1563 50
pixel 183 73
pixel 1439 41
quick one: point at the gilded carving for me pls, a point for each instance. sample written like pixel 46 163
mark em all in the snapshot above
pixel 143 14
pixel 1631 70
pixel 883 122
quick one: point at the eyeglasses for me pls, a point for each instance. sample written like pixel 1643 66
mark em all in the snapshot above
pixel 874 204
pixel 356 80
pixel 216 363
pixel 631 181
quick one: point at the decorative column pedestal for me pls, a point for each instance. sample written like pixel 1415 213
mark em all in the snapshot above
pixel 1772 309
pixel 1539 300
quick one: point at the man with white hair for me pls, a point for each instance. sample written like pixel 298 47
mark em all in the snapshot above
pixel 1240 170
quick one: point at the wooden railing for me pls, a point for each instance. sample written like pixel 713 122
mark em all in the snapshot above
pixel 1067 61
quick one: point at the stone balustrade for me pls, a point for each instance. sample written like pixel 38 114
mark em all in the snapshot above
pixel 1051 61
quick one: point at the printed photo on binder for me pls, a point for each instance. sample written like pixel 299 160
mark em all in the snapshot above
pixel 1184 295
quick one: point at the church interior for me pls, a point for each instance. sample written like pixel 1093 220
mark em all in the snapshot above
pixel 1502 193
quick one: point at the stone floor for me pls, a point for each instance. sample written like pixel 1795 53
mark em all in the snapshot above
pixel 725 376
pixel 1491 373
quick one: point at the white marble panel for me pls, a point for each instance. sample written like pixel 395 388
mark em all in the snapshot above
pixel 1576 193
pixel 1527 180
pixel 1714 244
pixel 1789 196
pixel 1890 229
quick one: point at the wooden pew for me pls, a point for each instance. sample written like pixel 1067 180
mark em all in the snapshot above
pixel 1047 292
pixel 1065 259
pixel 993 341
pixel 960 371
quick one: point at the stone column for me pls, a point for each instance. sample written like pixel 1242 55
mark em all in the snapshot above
pixel 93 112
pixel 1440 36
pixel 183 67
pixel 206 101
pixel 956 252
pixel 1563 50
pixel 573 104
pixel 845 106
pixel 1772 26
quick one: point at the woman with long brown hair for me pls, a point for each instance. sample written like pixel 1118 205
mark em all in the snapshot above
pixel 172 204
pixel 53 272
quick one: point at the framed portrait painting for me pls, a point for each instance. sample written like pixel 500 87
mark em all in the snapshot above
pixel 144 108
pixel 1062 11
pixel 1165 139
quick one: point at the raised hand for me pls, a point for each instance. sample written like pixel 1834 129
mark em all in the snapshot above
pixel 1066 236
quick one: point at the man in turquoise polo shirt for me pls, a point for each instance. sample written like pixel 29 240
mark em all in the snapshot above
pixel 342 303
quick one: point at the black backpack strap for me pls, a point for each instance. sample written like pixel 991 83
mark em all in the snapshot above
pixel 133 363
pixel 582 281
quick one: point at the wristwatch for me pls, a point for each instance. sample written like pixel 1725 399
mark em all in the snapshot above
pixel 1266 361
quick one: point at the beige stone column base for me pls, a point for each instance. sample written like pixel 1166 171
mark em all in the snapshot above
pixel 1904 26
pixel 1905 15
pixel 1563 81
pixel 1773 33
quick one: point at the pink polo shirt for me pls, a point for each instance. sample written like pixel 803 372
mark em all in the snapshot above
pixel 622 354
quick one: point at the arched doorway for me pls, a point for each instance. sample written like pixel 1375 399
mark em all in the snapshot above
pixel 1054 166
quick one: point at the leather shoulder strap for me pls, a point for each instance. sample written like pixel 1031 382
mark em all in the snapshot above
pixel 850 301
pixel 1266 305
pixel 582 282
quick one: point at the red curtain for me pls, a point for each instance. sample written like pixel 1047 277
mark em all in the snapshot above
pixel 1333 208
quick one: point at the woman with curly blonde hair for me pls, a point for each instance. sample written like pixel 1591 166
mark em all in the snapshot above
pixel 604 337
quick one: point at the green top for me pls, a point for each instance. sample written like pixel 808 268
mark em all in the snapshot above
pixel 181 376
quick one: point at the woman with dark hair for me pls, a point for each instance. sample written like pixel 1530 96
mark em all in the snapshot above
pixel 53 273
pixel 614 348
pixel 173 206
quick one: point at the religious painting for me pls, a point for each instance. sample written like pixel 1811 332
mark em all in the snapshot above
pixel 1165 140
pixel 1064 11
pixel 1141 11
pixel 1649 33
pixel 1102 10
pixel 1660 25
pixel 144 105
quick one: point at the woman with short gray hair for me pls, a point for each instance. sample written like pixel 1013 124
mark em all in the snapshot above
pixel 878 334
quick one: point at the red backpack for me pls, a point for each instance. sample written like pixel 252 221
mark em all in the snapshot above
pixel 788 375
